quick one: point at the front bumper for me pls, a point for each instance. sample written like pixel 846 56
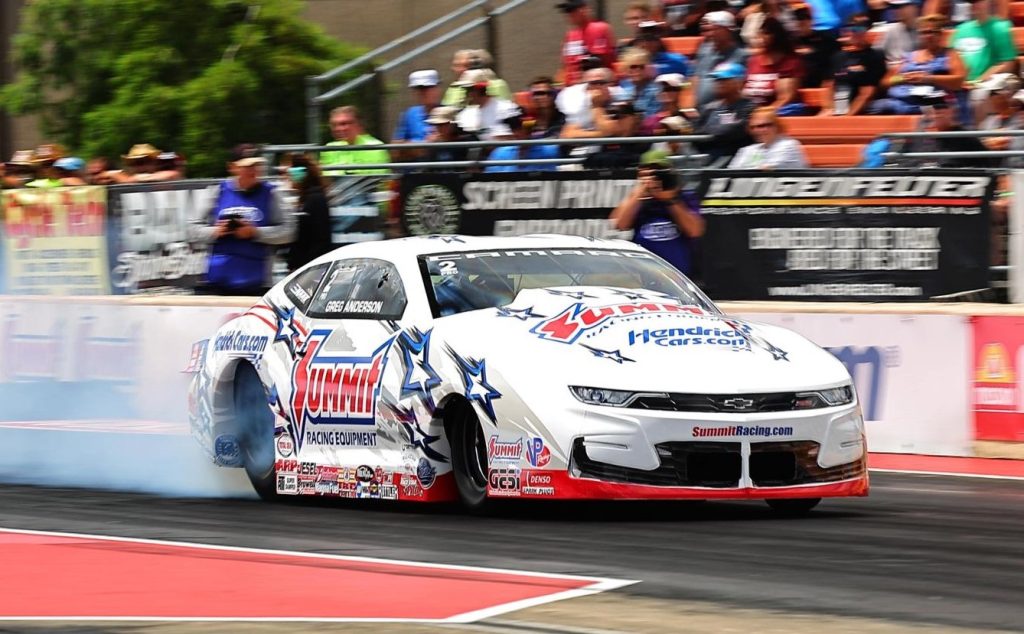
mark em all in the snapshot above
pixel 643 454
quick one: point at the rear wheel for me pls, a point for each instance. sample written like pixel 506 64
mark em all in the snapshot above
pixel 793 507
pixel 254 423
pixel 469 457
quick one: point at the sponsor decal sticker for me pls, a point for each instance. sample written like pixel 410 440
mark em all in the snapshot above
pixel 692 336
pixel 571 323
pixel 537 453
pixel 238 341
pixel 504 481
pixel 742 431
pixel 335 390
pixel 537 483
pixel 426 473
pixel 285 446
pixel 498 451
pixel 287 484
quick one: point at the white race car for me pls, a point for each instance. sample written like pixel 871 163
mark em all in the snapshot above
pixel 550 367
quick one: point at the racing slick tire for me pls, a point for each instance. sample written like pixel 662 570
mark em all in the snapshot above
pixel 469 456
pixel 255 428
pixel 793 507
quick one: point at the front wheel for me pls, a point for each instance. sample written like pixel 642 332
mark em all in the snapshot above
pixel 793 507
pixel 254 423
pixel 469 458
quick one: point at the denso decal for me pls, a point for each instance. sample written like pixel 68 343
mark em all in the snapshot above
pixel 692 336
pixel 329 390
pixel 537 453
pixel 537 483
pixel 567 326
pixel 499 451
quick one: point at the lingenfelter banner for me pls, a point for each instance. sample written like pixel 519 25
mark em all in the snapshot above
pixel 150 248
pixel 514 203
pixel 860 235
pixel 54 241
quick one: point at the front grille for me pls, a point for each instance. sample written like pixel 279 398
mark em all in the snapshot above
pixel 697 464
pixel 776 464
pixel 711 403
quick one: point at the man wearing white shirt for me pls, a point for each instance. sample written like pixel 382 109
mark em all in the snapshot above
pixel 483 114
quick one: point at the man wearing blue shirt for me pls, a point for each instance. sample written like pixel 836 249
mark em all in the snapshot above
pixel 412 126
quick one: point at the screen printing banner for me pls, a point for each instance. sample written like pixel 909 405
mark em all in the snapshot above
pixel 861 235
pixel 514 203
pixel 54 241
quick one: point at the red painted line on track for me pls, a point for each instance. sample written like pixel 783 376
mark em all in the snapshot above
pixel 992 467
pixel 59 576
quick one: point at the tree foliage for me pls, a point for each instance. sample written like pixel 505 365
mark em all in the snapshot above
pixel 198 76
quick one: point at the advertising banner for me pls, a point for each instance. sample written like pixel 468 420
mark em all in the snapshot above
pixel 54 241
pixel 909 370
pixel 357 204
pixel 150 249
pixel 998 393
pixel 860 235
pixel 514 203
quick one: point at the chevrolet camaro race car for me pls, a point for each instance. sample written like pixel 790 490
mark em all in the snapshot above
pixel 447 368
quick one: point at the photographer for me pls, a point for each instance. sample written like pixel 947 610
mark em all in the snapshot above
pixel 664 221
pixel 248 215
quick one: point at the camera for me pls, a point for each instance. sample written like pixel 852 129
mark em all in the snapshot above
pixel 620 109
pixel 234 221
pixel 666 178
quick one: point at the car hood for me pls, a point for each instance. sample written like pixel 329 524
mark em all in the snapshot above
pixel 636 340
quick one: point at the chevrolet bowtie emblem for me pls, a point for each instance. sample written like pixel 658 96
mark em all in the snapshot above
pixel 738 403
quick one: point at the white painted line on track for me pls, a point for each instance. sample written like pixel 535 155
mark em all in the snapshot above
pixel 596 584
pixel 949 474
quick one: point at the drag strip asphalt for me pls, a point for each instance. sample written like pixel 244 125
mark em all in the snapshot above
pixel 920 549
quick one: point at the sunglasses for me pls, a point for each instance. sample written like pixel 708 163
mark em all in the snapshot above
pixel 542 93
pixel 598 82
pixel 637 66
pixel 929 31
pixel 758 126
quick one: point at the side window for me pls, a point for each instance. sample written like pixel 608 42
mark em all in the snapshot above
pixel 303 286
pixel 361 289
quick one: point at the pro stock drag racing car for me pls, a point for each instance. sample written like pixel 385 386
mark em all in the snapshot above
pixel 471 368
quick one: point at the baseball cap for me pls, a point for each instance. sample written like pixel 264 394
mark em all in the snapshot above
pixel 675 80
pixel 247 155
pixel 655 158
pixel 728 70
pixel 424 78
pixel 677 124
pixel 442 114
pixel 473 78
pixel 720 18
pixel 70 164
pixel 570 5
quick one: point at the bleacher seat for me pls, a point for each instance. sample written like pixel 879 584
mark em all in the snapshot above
pixel 686 45
pixel 813 97
pixel 1017 13
pixel 855 129
pixel 835 154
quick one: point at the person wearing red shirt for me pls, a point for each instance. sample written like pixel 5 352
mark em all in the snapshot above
pixel 585 37
pixel 774 74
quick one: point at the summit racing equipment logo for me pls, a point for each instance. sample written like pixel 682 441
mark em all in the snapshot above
pixel 330 390
pixel 567 326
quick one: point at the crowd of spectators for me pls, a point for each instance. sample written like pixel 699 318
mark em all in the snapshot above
pixel 49 165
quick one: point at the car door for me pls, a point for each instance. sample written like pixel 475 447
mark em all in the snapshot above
pixel 338 375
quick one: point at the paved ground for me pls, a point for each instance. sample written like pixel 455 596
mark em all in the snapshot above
pixel 923 553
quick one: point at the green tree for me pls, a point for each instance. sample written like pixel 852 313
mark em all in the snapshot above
pixel 197 76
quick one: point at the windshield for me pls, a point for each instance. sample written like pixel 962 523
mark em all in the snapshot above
pixel 460 282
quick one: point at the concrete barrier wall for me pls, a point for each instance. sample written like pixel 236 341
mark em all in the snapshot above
pixel 925 373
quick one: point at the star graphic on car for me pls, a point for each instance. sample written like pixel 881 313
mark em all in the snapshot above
pixel 420 377
pixel 522 314
pixel 577 295
pixel 474 377
pixel 414 433
pixel 447 239
pixel 286 322
pixel 614 355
